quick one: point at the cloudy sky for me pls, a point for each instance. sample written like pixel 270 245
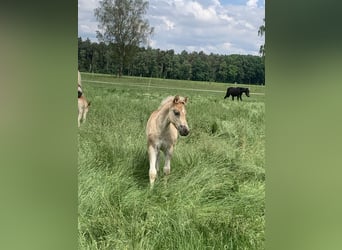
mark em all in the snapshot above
pixel 212 26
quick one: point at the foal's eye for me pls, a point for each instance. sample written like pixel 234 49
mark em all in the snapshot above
pixel 176 112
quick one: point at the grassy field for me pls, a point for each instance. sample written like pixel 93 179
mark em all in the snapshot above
pixel 215 195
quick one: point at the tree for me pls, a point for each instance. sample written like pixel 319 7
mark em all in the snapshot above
pixel 222 75
pixel 261 32
pixel 148 62
pixel 122 23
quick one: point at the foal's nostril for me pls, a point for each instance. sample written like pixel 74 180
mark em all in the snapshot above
pixel 184 131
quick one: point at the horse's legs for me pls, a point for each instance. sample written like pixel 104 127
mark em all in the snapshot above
pixel 168 155
pixel 79 117
pixel 85 114
pixel 152 154
pixel 232 97
pixel 157 160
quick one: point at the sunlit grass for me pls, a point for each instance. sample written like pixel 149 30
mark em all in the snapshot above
pixel 215 195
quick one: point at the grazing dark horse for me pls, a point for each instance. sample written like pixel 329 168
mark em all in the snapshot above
pixel 236 91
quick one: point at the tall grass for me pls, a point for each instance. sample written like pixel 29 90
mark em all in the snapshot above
pixel 214 197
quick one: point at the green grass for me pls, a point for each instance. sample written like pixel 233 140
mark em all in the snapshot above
pixel 215 195
pixel 148 83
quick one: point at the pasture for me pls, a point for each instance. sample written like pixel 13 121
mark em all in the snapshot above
pixel 214 197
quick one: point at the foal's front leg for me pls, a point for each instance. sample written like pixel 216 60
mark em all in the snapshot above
pixel 85 114
pixel 79 117
pixel 157 160
pixel 153 156
pixel 168 155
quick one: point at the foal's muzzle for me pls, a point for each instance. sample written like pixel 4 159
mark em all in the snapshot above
pixel 183 130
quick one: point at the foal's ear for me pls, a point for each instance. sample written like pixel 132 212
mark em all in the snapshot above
pixel 176 99
pixel 185 100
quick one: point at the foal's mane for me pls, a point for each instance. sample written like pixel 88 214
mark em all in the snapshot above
pixel 167 100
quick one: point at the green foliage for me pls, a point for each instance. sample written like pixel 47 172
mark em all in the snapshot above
pixel 168 65
pixel 215 195
pixel 122 23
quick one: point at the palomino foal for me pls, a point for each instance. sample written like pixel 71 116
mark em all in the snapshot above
pixel 83 104
pixel 83 108
pixel 162 132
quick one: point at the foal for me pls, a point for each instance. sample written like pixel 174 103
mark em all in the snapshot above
pixel 83 108
pixel 162 132
pixel 83 104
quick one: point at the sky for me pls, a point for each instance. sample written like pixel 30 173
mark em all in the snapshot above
pixel 212 26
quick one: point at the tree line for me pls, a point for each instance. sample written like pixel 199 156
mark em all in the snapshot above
pixel 147 62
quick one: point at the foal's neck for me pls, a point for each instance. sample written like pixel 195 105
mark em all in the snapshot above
pixel 164 122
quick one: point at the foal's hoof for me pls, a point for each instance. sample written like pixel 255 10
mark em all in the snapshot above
pixel 151 184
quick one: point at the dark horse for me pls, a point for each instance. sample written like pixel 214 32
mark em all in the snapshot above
pixel 232 91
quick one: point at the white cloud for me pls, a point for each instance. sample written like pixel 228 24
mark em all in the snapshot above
pixel 200 13
pixel 87 5
pixel 216 2
pixel 210 25
pixel 87 24
pixel 252 3
pixel 164 23
pixel 85 28
pixel 226 46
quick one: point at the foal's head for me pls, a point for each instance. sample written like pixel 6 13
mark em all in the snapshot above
pixel 177 115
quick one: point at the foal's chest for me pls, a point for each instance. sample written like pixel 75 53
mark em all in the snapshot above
pixel 166 140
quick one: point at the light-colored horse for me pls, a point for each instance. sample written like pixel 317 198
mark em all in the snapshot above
pixel 83 104
pixel 83 108
pixel 162 132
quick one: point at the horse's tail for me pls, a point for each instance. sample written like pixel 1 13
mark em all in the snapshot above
pixel 79 90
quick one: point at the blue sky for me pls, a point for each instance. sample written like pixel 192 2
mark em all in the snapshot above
pixel 212 26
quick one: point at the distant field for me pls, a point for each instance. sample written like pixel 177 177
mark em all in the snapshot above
pixel 215 195
pixel 182 85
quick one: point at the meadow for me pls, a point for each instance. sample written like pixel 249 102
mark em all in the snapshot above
pixel 214 197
